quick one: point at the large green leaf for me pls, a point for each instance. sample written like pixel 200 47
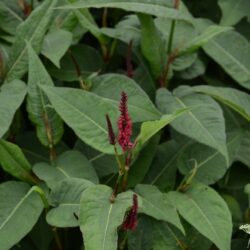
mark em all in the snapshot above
pixel 20 209
pixel 237 100
pixel 162 172
pixel 32 30
pixel 204 122
pixel 200 40
pixel 152 45
pixel 205 210
pixel 157 205
pixel 71 164
pixel 55 45
pixel 139 105
pixel 231 56
pixel 65 198
pixel 49 126
pixel 99 218
pixel 161 8
pixel 14 162
pixel 211 165
pixel 76 108
pixel 233 11
pixel 11 97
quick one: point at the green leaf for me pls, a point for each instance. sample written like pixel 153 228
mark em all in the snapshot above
pixel 14 162
pixel 200 40
pixel 76 108
pixel 154 7
pixel 158 205
pixel 162 172
pixel 204 122
pixel 152 44
pixel 20 209
pixel 110 86
pixel 10 20
pixel 211 165
pixel 99 218
pixel 141 238
pixel 11 97
pixel 32 30
pixel 55 45
pixel 205 210
pixel 233 11
pixel 71 164
pixel 141 165
pixel 232 57
pixel 65 197
pixel 48 124
pixel 149 129
pixel 85 57
pixel 237 100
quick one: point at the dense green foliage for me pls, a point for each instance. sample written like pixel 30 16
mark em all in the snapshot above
pixel 76 76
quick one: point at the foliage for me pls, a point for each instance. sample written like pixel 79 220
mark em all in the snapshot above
pixel 124 124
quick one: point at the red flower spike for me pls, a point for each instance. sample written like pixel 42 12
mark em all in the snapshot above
pixel 110 131
pixel 131 222
pixel 124 124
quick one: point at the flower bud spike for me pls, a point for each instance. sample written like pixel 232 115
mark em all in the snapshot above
pixel 124 124
pixel 111 133
pixel 131 222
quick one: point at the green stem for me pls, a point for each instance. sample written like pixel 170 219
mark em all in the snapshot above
pixel 57 239
pixel 171 37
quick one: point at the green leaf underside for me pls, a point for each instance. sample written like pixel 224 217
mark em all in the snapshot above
pixel 71 164
pixel 205 210
pixel 11 97
pixel 48 124
pixel 204 122
pixel 99 219
pixel 17 204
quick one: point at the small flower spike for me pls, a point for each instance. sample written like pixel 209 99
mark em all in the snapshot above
pixel 124 124
pixel 111 133
pixel 131 222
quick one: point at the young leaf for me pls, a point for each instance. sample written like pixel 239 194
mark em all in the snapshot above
pixel 11 97
pixel 71 164
pixel 205 210
pixel 237 100
pixel 65 198
pixel 20 209
pixel 49 126
pixel 32 30
pixel 14 162
pixel 149 129
pixel 152 45
pixel 55 45
pixel 99 218
pixel 232 57
pixel 204 121
pixel 158 205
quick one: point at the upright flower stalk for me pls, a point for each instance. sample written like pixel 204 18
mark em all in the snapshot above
pixel 123 138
